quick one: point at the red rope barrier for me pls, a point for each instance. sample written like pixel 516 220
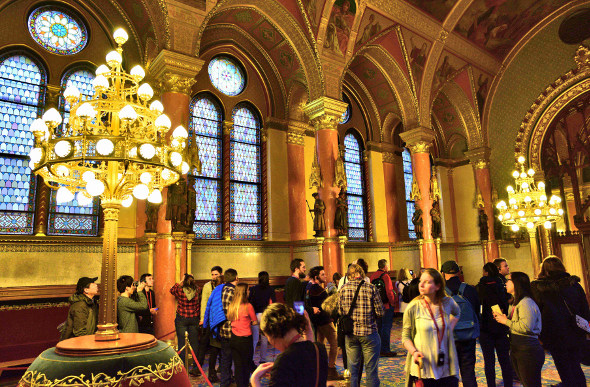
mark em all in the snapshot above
pixel 200 369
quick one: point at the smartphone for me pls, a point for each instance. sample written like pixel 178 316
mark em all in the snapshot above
pixel 298 306
pixel 411 272
pixel 156 309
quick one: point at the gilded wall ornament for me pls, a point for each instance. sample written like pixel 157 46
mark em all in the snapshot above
pixel 434 190
pixel 388 157
pixel 296 137
pixel 176 83
pixel 415 194
pixel 420 147
pixel 340 172
pixel 315 177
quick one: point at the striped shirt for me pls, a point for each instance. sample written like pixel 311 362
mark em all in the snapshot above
pixel 368 306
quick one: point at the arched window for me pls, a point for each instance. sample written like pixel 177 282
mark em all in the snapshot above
pixel 353 160
pixel 410 204
pixel 245 175
pixel 78 216
pixel 22 92
pixel 205 131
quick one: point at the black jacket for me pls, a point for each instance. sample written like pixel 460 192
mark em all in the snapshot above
pixel 491 291
pixel 559 326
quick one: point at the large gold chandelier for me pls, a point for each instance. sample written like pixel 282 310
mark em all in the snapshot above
pixel 116 146
pixel 528 205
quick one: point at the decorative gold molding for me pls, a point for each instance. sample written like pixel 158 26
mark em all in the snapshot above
pixel 227 127
pixel 315 177
pixel 325 112
pixel 418 140
pixel 479 157
pixel 388 157
pixel 420 147
pixel 296 132
pixel 415 194
pixel 175 72
pixel 44 305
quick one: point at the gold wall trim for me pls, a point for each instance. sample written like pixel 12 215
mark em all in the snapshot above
pixel 42 305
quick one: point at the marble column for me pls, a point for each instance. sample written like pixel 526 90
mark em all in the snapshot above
pixel 391 196
pixel 325 114
pixel 479 158
pixel 419 140
pixel 175 75
pixel 298 211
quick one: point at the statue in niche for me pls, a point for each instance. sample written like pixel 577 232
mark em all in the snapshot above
pixel 417 222
pixel 191 203
pixel 176 205
pixel 483 224
pixel 341 215
pixel 436 220
pixel 151 212
pixel 319 224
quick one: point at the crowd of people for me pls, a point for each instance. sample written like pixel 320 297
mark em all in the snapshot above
pixel 443 319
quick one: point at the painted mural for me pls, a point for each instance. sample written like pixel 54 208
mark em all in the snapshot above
pixel 313 9
pixel 482 86
pixel 371 25
pixel 448 65
pixel 439 9
pixel 497 25
pixel 339 26
pixel 417 48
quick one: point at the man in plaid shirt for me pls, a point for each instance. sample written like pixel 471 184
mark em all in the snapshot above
pixel 227 295
pixel 365 341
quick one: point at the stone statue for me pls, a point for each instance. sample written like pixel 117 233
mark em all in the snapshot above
pixel 151 211
pixel 436 220
pixel 483 225
pixel 341 215
pixel 417 221
pixel 319 224
pixel 176 205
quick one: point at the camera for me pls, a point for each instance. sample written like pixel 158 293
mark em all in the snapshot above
pixel 411 272
pixel 136 283
pixel 299 307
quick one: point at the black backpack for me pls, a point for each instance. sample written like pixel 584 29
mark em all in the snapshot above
pixel 380 285
pixel 406 293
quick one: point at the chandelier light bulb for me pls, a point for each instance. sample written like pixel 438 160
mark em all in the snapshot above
pixel 500 218
pixel 95 187
pixel 137 72
pixel 560 212
pixel 175 159
pixel 102 70
pixel 500 205
pixel 531 172
pixel 147 151
pixel 180 132
pixel 155 197
pixel 38 126
pixel 62 148
pixel 141 191
pixel 507 215
pixel 156 106
pixel 36 154
pixel 521 213
pixel 541 185
pixel 552 211
pixel 521 159
pixel 515 227
pixel 527 199
pixel 145 92
pixel 510 189
pixel 145 177
pixel 163 122
pixel 537 211
pixel 184 168
pixel 133 152
pixel 547 225
pixel 128 113
pixel 165 174
pixel 543 198
pixel 88 176
pixel 83 198
pixel 86 111
pixel 525 185
pixel 114 59
pixel 530 225
pixel 72 92
pixel 100 83
pixel 515 174
pixel 104 147
pixel 523 175
pixel 63 195
pixel 512 201
pixel 120 36
pixel 52 117
pixel 127 201
pixel 62 171
pixel 556 199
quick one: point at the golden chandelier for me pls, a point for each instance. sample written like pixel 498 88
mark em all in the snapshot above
pixel 528 205
pixel 115 144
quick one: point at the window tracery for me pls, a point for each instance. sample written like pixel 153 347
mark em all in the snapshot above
pixel 57 30
pixel 410 204
pixel 353 159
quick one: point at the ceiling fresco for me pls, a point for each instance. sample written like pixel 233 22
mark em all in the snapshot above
pixel 497 25
pixel 375 82
pixel 417 48
pixel 339 27
pixel 313 9
pixel 371 25
pixel 448 65
pixel 439 9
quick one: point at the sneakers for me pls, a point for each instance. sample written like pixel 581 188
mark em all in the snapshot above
pixel 213 378
pixel 195 372
pixel 333 374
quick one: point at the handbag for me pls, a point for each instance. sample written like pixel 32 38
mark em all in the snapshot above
pixel 581 322
pixel 418 382
pixel 346 323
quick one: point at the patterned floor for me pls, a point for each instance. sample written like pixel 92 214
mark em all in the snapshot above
pixel 391 370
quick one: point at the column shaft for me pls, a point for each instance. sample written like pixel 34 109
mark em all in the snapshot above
pixel 298 211
pixel 391 197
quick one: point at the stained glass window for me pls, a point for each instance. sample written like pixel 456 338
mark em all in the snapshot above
pixel 22 89
pixel 346 115
pixel 410 204
pixel 74 217
pixel 205 131
pixel 245 175
pixel 227 75
pixel 356 189
pixel 57 31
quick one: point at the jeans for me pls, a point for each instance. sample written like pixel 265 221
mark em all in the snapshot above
pixel 501 344
pixel 385 329
pixel 242 353
pixel 257 335
pixel 567 362
pixel 466 355
pixel 527 357
pixel 187 324
pixel 328 332
pixel 205 335
pixel 225 363
pixel 367 347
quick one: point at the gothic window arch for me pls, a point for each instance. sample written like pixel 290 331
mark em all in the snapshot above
pixel 22 94
pixel 356 193
pixel 206 132
pixel 80 215
pixel 410 204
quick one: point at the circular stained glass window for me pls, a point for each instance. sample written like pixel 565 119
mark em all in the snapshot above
pixel 346 115
pixel 57 31
pixel 227 75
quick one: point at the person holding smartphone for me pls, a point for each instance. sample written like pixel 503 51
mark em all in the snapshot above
pixel 427 334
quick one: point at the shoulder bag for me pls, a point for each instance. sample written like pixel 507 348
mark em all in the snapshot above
pixel 346 323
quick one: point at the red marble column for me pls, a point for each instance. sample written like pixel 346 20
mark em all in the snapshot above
pixel 482 174
pixel 391 197
pixel 298 211
pixel 176 106
pixel 453 211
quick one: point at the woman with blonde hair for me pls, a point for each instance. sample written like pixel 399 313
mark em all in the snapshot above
pixel 403 279
pixel 427 334
pixel 241 314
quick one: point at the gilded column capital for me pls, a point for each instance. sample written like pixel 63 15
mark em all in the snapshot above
pixel 418 140
pixel 175 72
pixel 479 157
pixel 296 132
pixel 227 127
pixel 325 112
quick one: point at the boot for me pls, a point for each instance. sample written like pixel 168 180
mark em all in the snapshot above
pixel 333 374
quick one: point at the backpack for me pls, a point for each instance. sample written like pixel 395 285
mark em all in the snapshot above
pixel 468 326
pixel 380 285
pixel 406 293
